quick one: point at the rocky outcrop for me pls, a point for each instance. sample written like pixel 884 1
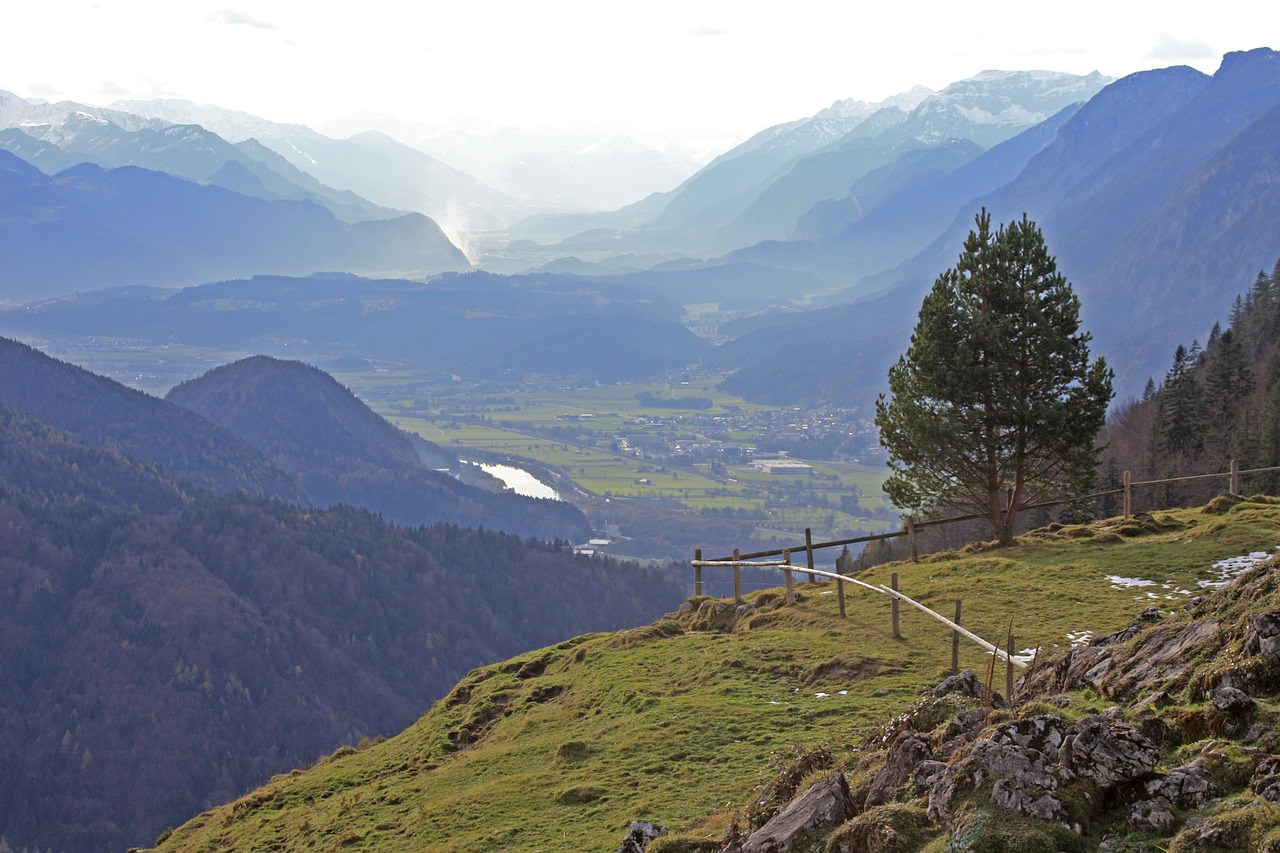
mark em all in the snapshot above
pixel 1106 752
pixel 909 749
pixel 826 804
pixel 1262 637
pixel 638 836
pixel 959 772
pixel 1124 670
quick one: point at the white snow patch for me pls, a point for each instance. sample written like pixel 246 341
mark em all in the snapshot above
pixel 1233 567
pixel 1080 638
pixel 1118 582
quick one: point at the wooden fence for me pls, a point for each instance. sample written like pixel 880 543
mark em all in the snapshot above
pixel 738 560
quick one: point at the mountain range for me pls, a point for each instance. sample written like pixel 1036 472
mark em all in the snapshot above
pixel 1156 196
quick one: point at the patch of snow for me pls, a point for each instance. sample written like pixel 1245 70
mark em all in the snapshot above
pixel 1233 567
pixel 1118 582
pixel 1079 638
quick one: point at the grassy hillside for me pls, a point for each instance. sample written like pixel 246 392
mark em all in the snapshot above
pixel 680 722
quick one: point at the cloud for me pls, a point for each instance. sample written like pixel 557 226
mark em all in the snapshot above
pixel 1170 48
pixel 230 16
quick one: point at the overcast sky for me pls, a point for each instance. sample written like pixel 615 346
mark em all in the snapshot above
pixel 732 67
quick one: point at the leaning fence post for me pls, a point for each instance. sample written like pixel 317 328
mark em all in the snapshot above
pixel 1233 485
pixel 1128 495
pixel 955 641
pixel 911 537
pixel 697 572
pixel 737 579
pixel 893 584
pixel 791 589
pixel 1008 669
pixel 808 552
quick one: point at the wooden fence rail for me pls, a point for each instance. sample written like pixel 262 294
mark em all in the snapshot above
pixel 890 591
pixel 910 526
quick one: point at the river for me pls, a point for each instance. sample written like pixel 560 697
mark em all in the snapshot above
pixel 519 481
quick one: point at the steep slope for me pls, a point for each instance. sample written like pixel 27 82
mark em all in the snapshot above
pixel 157 664
pixel 682 722
pixel 49 467
pixel 86 228
pixel 100 413
pixel 341 451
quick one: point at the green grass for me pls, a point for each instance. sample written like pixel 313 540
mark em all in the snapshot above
pixel 560 748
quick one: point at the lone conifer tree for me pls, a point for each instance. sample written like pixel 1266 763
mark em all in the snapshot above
pixel 995 404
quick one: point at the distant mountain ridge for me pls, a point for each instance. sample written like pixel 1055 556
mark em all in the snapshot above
pixel 87 228
pixel 760 189
pixel 1114 192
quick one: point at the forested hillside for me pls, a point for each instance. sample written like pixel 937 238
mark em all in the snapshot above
pixel 1215 403
pixel 166 648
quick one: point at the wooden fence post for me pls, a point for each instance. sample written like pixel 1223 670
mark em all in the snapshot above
pixel 1128 495
pixel 893 584
pixel 911 538
pixel 955 641
pixel 737 579
pixel 791 589
pixel 808 552
pixel 1233 483
pixel 1008 669
pixel 697 572
pixel 844 565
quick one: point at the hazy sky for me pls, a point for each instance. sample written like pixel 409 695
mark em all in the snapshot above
pixel 733 67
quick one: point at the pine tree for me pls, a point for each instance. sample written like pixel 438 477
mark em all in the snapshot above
pixel 1179 423
pixel 1228 380
pixel 995 404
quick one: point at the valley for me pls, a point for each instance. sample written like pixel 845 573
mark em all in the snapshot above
pixel 604 446
pixel 258 591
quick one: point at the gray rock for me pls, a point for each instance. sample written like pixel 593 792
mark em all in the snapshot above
pixel 1152 816
pixel 966 725
pixel 1185 787
pixel 905 754
pixel 1231 700
pixel 1011 794
pixel 1025 777
pixel 1042 733
pixel 1106 752
pixel 1262 637
pixel 1266 779
pixel 826 804
pixel 638 836
pixel 926 771
pixel 967 683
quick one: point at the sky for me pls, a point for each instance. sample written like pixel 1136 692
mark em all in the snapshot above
pixel 655 68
